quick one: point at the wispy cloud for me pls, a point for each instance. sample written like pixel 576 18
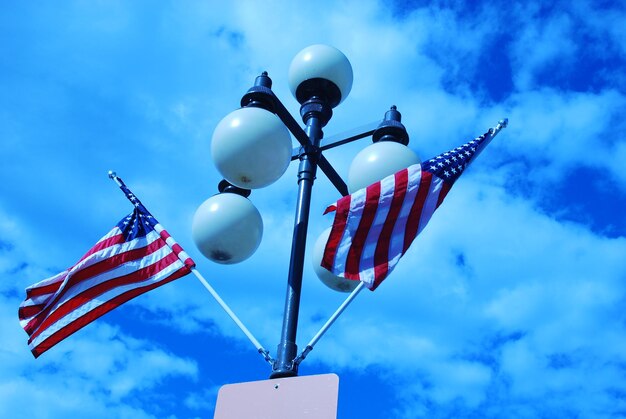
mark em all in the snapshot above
pixel 510 301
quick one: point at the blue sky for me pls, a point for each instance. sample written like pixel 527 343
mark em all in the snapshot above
pixel 510 304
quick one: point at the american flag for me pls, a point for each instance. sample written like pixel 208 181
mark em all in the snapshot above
pixel 136 256
pixel 374 227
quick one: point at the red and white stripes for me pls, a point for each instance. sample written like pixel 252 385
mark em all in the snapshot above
pixel 176 248
pixel 111 273
pixel 375 226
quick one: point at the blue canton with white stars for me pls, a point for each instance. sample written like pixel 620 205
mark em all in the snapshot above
pixel 139 222
pixel 449 165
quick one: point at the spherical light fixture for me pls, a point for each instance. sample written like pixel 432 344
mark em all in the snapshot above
pixel 386 156
pixel 323 71
pixel 251 148
pixel 329 279
pixel 378 161
pixel 227 228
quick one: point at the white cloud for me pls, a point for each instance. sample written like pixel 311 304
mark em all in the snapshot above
pixel 202 400
pixel 556 132
pixel 542 44
pixel 97 372
pixel 497 304
pixel 603 25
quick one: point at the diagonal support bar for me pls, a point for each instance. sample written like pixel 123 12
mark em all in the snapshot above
pixel 342 138
pixel 302 137
pixel 292 125
pixel 334 141
pixel 329 322
pixel 333 176
pixel 349 136
pixel 234 317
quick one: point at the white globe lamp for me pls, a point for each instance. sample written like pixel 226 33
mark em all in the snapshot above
pixel 320 70
pixel 378 161
pixel 227 228
pixel 386 156
pixel 251 148
pixel 329 279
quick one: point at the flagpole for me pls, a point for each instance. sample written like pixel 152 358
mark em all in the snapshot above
pixel 234 317
pixel 328 324
pixel 113 176
pixel 503 123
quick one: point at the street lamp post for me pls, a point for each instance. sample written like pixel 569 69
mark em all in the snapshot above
pixel 315 113
pixel 320 78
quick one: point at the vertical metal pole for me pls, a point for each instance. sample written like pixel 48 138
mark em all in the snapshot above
pixel 316 114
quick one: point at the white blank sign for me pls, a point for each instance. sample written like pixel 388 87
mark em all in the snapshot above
pixel 306 397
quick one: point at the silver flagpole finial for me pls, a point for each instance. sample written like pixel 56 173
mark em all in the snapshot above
pixel 503 123
pixel 114 178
